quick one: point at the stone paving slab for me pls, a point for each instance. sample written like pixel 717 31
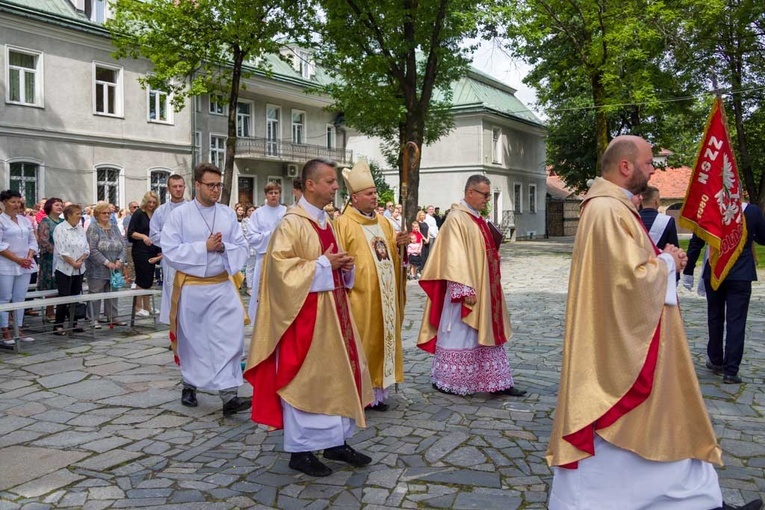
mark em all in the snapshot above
pixel 96 423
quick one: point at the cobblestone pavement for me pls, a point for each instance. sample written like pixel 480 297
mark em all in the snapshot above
pixel 98 423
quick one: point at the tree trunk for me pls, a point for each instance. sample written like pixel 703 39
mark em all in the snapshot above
pixel 228 166
pixel 410 131
pixel 601 122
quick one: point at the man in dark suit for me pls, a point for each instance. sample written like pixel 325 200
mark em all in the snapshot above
pixel 729 304
pixel 661 227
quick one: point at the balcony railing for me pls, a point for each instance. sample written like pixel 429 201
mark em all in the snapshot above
pixel 283 150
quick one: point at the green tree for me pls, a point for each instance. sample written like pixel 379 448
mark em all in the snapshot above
pixel 384 191
pixel 599 70
pixel 388 58
pixel 205 47
pixel 722 44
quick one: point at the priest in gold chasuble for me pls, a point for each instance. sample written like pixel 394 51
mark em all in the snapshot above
pixel 306 363
pixel 465 322
pixel 377 297
pixel 631 429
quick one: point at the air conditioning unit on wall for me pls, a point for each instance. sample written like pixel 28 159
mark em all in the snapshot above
pixel 291 170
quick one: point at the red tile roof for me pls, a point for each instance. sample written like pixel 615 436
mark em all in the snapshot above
pixel 672 182
pixel 556 188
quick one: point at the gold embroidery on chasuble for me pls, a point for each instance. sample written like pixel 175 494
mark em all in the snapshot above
pixel 386 277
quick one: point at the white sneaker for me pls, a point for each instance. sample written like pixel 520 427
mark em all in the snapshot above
pixel 133 286
pixel 9 342
pixel 155 311
pixel 142 313
pixel 27 339
pixel 96 325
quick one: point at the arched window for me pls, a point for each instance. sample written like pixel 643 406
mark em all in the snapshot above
pixel 158 180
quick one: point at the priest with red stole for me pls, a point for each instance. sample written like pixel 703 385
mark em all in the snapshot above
pixel 306 362
pixel 631 429
pixel 466 322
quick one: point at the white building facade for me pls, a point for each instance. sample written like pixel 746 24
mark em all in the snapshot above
pixel 74 122
pixel 494 135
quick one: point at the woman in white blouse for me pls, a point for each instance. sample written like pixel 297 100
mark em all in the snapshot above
pixel 70 249
pixel 18 246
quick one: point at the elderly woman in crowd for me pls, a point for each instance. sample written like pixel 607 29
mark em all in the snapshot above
pixel 70 250
pixel 145 254
pixel 18 247
pixel 107 252
pixel 53 210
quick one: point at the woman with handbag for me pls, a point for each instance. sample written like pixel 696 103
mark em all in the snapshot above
pixel 107 251
pixel 70 249
pixel 18 247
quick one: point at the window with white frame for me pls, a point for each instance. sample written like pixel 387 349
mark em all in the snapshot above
pixel 24 77
pixel 306 65
pixel 108 184
pixel 197 148
pixel 532 198
pixel 517 197
pixel 244 119
pixel 24 179
pixel 496 145
pixel 160 109
pixel 108 89
pixel 158 180
pixel 273 116
pixel 331 136
pixel 97 10
pixel 298 127
pixel 217 106
pixel 218 150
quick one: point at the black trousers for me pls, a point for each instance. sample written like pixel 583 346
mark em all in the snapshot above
pixel 67 286
pixel 727 308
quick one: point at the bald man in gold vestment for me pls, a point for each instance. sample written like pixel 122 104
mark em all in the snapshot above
pixel 631 430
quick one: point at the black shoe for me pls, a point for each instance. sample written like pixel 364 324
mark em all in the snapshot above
pixel 380 406
pixel 236 405
pixel 307 463
pixel 731 379
pixel 512 391
pixel 716 369
pixel 441 390
pixel 755 504
pixel 345 453
pixel 189 397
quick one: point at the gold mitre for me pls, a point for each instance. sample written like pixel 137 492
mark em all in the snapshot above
pixel 358 178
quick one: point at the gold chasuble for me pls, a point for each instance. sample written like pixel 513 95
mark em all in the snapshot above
pixel 332 377
pixel 460 254
pixel 375 297
pixel 627 373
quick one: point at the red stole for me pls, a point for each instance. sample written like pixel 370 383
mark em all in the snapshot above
pixel 584 438
pixel 268 377
pixel 495 281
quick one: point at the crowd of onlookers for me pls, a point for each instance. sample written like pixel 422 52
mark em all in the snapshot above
pixel 59 245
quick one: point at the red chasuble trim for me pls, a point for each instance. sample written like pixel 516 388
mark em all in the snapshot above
pixel 436 292
pixel 584 439
pixel 267 378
